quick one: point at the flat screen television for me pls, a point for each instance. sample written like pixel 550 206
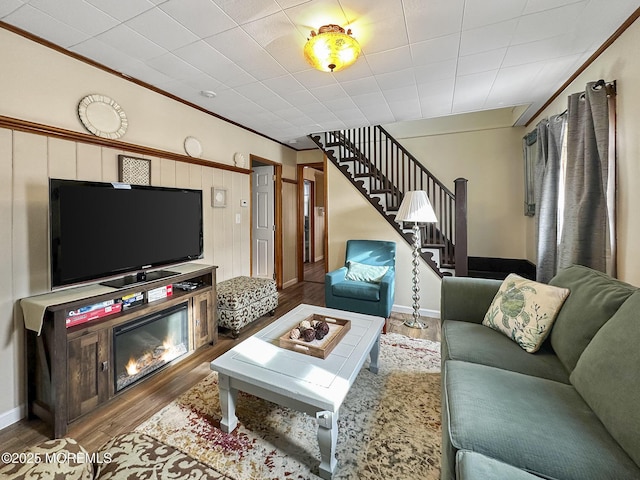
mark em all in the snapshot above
pixel 100 230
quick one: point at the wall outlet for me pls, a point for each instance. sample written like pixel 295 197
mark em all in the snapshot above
pixel 238 218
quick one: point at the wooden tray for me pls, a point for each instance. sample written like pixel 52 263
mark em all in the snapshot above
pixel 338 328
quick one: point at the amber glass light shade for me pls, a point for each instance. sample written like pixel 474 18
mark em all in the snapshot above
pixel 331 49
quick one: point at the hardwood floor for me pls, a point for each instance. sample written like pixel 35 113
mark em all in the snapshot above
pixel 134 406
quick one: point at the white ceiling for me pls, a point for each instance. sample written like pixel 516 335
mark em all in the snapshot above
pixel 420 58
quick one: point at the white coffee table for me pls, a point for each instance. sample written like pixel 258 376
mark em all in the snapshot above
pixel 296 380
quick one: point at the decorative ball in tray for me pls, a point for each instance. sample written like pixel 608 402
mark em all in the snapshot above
pixel 316 335
pixel 310 330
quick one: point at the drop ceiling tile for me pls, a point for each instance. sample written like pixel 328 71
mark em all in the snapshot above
pixel 547 49
pixel 426 19
pixel 491 37
pixel 207 59
pixel 256 92
pixel 361 86
pixel 508 86
pixel 291 3
pixel 401 78
pixel 123 10
pixel 9 6
pixel 328 92
pixel 300 98
pixel 358 70
pixel 102 53
pixel 441 71
pixel 341 104
pixel 409 93
pixel 390 60
pixel 535 6
pixel 244 12
pixel 479 13
pixel 173 66
pixel 160 28
pixel 548 23
pixel 314 78
pixel 131 42
pixel 351 116
pixel 77 14
pixel 471 91
pixel 202 17
pixel 283 84
pixel 481 62
pixel 435 50
pixel 278 36
pixel 310 16
pixel 436 99
pixel 371 27
pixel 201 82
pixel 47 27
pixel 405 110
pixel 144 72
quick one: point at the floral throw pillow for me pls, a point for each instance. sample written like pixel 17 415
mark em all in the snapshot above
pixel 525 310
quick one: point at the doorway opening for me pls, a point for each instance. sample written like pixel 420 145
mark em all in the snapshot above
pixel 312 234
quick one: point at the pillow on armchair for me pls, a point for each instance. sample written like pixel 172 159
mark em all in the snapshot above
pixel 365 273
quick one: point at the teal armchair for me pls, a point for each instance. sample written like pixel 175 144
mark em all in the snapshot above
pixel 363 285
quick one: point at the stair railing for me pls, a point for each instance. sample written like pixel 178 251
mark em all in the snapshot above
pixel 391 172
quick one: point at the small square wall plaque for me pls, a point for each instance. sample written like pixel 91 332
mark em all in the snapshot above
pixel 134 170
pixel 218 197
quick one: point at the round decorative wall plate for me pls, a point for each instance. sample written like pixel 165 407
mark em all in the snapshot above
pixel 193 147
pixel 102 116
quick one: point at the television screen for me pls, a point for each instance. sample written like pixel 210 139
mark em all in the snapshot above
pixel 101 229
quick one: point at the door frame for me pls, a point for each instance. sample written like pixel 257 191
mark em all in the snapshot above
pixel 277 254
pixel 300 233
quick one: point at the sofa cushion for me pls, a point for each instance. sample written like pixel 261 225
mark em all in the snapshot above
pixel 525 310
pixel 355 289
pixel 473 466
pixel 607 376
pixel 136 455
pixel 365 273
pixel 537 425
pixel 594 298
pixel 476 343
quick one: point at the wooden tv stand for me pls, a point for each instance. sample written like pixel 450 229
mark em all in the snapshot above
pixel 70 370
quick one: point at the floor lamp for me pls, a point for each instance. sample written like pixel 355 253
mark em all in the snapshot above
pixel 416 208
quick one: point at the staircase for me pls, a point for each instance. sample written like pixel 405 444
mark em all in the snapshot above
pixel 383 171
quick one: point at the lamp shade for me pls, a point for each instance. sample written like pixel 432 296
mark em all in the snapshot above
pixel 331 49
pixel 416 207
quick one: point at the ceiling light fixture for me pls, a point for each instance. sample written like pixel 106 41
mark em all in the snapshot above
pixel 331 49
pixel 208 93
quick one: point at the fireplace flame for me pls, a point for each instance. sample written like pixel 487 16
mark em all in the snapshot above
pixel 162 354
pixel 131 367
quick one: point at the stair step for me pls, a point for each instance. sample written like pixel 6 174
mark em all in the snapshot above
pixel 363 175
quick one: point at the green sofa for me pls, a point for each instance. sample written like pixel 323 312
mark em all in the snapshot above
pixel 568 412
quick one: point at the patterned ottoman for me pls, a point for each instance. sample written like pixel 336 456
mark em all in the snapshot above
pixel 241 300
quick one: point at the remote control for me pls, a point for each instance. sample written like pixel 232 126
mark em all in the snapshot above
pixel 185 285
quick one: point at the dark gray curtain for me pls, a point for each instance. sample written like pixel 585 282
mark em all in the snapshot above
pixel 588 216
pixel 550 135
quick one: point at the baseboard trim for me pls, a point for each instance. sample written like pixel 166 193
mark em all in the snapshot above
pixel 12 416
pixel 423 311
pixel 291 282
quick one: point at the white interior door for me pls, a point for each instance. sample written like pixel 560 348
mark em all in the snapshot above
pixel 263 222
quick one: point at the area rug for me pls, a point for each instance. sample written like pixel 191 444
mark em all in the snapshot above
pixel 389 425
